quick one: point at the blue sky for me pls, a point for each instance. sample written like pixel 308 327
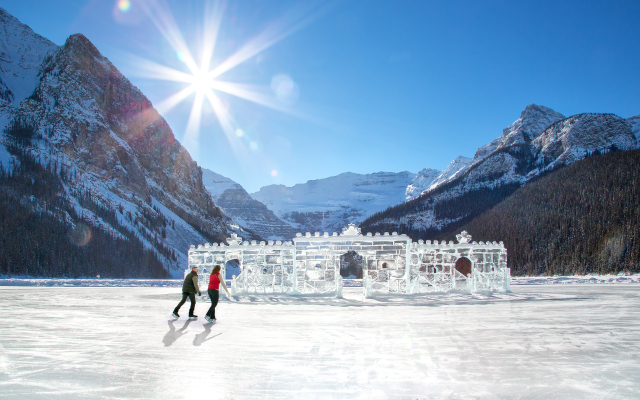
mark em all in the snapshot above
pixel 368 85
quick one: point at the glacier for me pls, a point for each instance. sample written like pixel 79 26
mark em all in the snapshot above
pixel 331 203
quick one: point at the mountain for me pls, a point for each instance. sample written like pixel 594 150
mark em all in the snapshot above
pixel 533 120
pixel 71 121
pixel 217 184
pixel 524 151
pixel 429 179
pixel 330 204
pixel 579 219
pixel 22 52
pixel 250 213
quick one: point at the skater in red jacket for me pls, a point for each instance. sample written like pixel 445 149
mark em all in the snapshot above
pixel 214 285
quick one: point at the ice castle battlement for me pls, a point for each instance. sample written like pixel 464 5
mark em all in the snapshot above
pixel 392 263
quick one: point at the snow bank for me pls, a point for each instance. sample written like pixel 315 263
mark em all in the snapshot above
pixel 91 282
pixel 351 283
pixel 574 280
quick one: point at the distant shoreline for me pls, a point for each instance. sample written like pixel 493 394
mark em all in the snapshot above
pixel 109 282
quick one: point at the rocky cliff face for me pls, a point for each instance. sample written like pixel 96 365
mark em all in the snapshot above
pixel 87 119
pixel 539 141
pixel 533 120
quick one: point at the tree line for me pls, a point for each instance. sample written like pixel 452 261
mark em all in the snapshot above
pixel 43 234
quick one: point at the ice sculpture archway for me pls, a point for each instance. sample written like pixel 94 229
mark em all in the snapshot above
pixel 232 268
pixel 464 266
pixel 351 264
pixel 392 263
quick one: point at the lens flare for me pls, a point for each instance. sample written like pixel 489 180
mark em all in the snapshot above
pixel 239 132
pixel 124 5
pixel 80 235
pixel 274 173
pixel 253 146
pixel 284 88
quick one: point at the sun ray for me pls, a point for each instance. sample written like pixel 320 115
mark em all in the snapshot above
pixel 227 123
pixel 212 20
pixel 172 101
pixel 253 94
pixel 152 70
pixel 162 18
pixel 192 133
pixel 291 22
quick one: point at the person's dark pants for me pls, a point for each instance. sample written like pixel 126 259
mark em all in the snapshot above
pixel 192 298
pixel 214 294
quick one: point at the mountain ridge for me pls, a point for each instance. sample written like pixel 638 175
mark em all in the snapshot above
pixel 513 160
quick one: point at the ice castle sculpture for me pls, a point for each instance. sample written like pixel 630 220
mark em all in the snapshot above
pixel 392 264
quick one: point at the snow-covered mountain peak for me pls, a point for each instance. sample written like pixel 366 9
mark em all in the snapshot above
pixel 455 167
pixel 22 52
pixel 429 179
pixel 421 182
pixel 533 120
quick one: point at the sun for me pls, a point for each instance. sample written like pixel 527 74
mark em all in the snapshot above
pixel 203 79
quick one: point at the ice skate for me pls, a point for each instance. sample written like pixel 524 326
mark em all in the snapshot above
pixel 206 318
pixel 175 315
pixel 193 317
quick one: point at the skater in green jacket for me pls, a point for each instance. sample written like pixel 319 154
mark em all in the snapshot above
pixel 189 289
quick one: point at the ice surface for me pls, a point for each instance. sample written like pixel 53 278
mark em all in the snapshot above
pixel 578 341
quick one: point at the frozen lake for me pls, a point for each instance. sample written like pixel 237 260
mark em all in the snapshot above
pixel 558 341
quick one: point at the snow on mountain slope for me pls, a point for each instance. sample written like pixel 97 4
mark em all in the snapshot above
pixel 573 138
pixel 634 122
pixel 330 204
pixel 248 212
pixel 429 179
pixel 112 149
pixel 22 52
pixel 217 184
pixel 524 151
pixel 421 182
